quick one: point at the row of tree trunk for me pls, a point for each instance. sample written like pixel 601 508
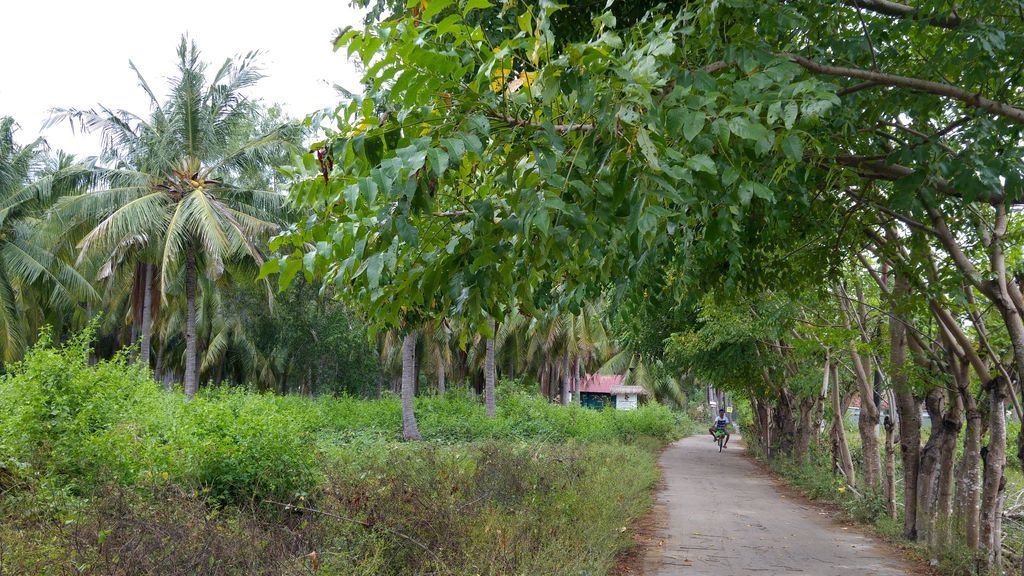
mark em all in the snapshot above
pixel 943 498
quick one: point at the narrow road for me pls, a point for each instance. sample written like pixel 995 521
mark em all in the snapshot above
pixel 721 515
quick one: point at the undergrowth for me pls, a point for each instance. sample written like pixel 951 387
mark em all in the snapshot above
pixel 102 472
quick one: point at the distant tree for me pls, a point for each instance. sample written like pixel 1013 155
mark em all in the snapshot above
pixel 178 193
pixel 36 281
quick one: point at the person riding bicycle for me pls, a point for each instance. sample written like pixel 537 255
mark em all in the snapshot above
pixel 721 426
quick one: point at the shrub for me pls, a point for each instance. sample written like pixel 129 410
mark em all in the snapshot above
pixel 79 426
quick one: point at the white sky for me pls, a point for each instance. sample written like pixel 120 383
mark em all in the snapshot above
pixel 74 54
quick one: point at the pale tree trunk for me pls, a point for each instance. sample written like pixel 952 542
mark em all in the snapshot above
pixel 566 394
pixel 840 449
pixel 489 374
pixel 191 375
pixel 409 428
pixel 441 388
pixel 868 420
pixel 995 459
pixel 823 399
pixel 951 424
pixel 147 316
pixel 968 494
pixel 890 466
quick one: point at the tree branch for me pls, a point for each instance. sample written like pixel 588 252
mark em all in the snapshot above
pixel 978 101
pixel 887 8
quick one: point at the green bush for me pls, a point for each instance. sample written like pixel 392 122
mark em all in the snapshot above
pixel 79 426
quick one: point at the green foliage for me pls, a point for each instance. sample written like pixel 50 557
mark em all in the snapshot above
pixel 312 342
pixel 77 426
pixel 93 456
pixel 472 179
pixel 491 508
pixel 80 426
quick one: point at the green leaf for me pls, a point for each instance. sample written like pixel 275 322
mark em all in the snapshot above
pixel 693 125
pixel 374 265
pixel 475 5
pixel 272 266
pixel 643 139
pixel 789 115
pixel 434 7
pixel 702 163
pixel 793 148
pixel 438 161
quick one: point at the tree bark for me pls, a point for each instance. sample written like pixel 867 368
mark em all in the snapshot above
pixel 409 428
pixel 928 468
pixel 868 420
pixel 906 404
pixel 840 449
pixel 191 373
pixel 441 385
pixel 951 424
pixel 995 459
pixel 890 467
pixel 566 393
pixel 489 375
pixel 823 399
pixel 147 316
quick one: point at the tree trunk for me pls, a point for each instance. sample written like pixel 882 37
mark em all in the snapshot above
pixel 968 494
pixel 928 468
pixel 906 404
pixel 786 423
pixel 995 459
pixel 147 316
pixel 890 466
pixel 159 371
pixel 867 422
pixel 409 429
pixel 489 374
pixel 806 427
pixel 951 424
pixel 191 374
pixel 441 388
pixel 566 393
pixel 840 449
pixel 823 399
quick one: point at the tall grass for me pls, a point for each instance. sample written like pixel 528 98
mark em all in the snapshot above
pixel 102 472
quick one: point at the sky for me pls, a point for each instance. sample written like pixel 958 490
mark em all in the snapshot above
pixel 75 54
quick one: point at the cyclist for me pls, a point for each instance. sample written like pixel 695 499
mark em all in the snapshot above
pixel 721 426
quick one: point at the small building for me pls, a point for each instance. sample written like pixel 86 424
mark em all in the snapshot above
pixel 628 397
pixel 598 391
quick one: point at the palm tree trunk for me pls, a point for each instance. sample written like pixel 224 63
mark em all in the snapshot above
pixel 191 376
pixel 489 375
pixel 441 385
pixel 565 380
pixel 409 429
pixel 159 370
pixel 147 316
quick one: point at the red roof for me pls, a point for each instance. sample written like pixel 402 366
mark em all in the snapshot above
pixel 600 384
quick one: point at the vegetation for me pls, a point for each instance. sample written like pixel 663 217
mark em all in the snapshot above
pixel 813 206
pixel 91 454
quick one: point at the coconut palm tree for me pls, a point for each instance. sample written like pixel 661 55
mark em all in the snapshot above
pixel 35 281
pixel 177 194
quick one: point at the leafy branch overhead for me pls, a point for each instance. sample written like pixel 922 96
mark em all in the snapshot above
pixel 572 167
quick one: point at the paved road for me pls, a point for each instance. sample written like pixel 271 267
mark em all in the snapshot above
pixel 721 515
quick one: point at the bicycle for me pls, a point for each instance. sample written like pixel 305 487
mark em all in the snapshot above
pixel 720 438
